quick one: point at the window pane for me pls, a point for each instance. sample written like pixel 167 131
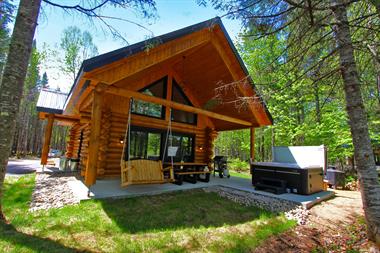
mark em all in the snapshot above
pixel 185 148
pixel 179 97
pixel 156 89
pixel 183 117
pixel 146 108
pixel 138 144
pixel 144 145
pixel 154 144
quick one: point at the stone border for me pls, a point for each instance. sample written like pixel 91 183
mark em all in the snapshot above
pixel 292 210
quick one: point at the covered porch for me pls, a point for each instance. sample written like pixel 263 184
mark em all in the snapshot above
pixel 109 188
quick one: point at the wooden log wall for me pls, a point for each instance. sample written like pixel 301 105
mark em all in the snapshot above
pixel 117 125
pixel 114 123
pixel 211 135
pixel 103 143
pixel 72 146
pixel 84 149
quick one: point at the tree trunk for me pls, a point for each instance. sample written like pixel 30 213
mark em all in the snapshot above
pixel 13 79
pixel 368 178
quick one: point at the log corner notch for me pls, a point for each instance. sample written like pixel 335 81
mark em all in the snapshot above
pixel 96 115
pixel 47 138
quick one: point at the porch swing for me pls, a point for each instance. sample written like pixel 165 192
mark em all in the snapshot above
pixel 144 171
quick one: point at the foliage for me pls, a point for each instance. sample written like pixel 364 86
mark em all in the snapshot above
pixel 28 135
pixel 6 12
pixel 162 223
pixel 77 46
pixel 237 165
pixel 350 179
pixel 307 109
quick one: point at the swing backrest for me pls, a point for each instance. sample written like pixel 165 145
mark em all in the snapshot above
pixel 142 172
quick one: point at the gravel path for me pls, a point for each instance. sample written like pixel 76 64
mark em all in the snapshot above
pixel 52 191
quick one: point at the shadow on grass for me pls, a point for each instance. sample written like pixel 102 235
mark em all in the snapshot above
pixel 178 210
pixel 20 240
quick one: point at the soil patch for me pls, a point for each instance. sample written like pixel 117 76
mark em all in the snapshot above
pixel 336 225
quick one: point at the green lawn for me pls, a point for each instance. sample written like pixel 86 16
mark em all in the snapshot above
pixel 176 222
pixel 240 174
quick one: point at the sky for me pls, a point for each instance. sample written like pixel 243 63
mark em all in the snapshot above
pixel 171 15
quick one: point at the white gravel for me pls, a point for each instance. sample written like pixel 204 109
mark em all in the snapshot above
pixel 292 210
pixel 52 191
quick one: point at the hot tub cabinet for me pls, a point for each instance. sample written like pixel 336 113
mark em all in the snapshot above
pixel 281 176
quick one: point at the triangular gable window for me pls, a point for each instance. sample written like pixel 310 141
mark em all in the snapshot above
pixel 156 89
pixel 180 116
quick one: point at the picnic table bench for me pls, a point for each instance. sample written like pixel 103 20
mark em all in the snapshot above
pixel 190 172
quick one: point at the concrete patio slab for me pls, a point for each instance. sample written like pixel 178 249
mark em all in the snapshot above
pixel 111 189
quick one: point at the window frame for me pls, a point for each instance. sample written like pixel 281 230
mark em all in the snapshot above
pixel 163 133
pixel 165 91
pixel 175 84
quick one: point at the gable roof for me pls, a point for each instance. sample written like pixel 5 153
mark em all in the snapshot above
pixel 125 52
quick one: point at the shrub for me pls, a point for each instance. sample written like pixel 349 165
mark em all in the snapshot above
pixel 237 165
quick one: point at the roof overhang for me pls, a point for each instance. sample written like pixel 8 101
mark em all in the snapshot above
pixel 110 68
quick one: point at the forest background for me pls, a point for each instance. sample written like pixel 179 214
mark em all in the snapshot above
pixel 306 108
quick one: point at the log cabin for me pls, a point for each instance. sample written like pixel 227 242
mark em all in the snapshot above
pixel 123 103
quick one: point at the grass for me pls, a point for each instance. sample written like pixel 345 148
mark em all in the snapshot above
pixel 176 222
pixel 240 174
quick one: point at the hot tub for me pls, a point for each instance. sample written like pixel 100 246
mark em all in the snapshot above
pixel 297 169
pixel 297 179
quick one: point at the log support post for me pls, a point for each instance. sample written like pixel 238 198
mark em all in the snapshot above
pixel 47 138
pixel 93 149
pixel 252 143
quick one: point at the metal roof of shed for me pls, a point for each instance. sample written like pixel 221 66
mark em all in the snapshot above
pixel 51 101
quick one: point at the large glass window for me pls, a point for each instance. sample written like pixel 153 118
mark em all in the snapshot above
pixel 157 89
pixel 145 144
pixel 185 145
pixel 180 97
pixel 148 143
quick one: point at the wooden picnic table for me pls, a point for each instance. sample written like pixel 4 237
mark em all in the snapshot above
pixel 189 171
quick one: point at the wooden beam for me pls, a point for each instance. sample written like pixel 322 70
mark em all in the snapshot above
pixel 96 116
pixel 140 96
pixel 60 117
pixel 85 99
pixel 86 103
pixel 46 147
pixel 252 143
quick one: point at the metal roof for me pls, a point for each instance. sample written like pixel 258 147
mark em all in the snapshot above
pixel 51 101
